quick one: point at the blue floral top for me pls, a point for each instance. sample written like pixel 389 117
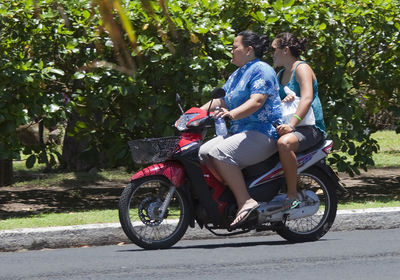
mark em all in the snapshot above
pixel 255 77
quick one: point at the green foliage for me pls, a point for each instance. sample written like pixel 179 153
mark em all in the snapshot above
pixel 43 44
pixel 52 48
pixel 354 52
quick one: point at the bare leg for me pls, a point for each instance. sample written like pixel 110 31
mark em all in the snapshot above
pixel 287 146
pixel 233 177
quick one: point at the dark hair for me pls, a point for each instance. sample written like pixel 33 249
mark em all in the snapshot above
pixel 296 46
pixel 260 44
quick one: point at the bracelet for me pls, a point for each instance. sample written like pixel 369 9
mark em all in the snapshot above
pixel 297 117
pixel 292 127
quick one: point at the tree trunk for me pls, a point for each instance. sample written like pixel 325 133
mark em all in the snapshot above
pixel 6 172
pixel 72 148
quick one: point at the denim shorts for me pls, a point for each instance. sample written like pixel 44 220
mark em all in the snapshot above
pixel 242 149
pixel 308 136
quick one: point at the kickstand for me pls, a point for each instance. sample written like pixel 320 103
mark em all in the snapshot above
pixel 285 216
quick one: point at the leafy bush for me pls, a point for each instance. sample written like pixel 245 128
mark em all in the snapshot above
pixel 122 85
pixel 43 44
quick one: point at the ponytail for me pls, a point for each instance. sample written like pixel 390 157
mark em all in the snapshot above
pixel 296 46
pixel 260 44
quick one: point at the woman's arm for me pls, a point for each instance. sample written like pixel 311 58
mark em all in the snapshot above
pixel 252 105
pixel 304 76
pixel 215 103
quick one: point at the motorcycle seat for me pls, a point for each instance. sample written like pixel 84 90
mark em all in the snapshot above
pixel 256 170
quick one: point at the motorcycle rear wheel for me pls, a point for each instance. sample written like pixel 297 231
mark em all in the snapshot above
pixel 312 228
pixel 139 207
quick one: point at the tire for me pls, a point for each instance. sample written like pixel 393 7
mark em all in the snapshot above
pixel 312 228
pixel 138 205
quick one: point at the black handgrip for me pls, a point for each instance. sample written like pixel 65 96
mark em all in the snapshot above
pixel 276 123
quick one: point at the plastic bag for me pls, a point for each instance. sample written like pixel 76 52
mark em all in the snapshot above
pixel 289 109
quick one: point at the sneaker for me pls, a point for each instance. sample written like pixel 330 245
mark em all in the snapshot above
pixel 288 204
pixel 291 203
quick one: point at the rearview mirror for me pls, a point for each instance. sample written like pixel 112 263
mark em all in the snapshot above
pixel 179 101
pixel 218 93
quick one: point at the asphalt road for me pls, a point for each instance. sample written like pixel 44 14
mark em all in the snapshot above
pixel 366 254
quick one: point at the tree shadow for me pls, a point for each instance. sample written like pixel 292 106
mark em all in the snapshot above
pixel 28 176
pixel 378 189
pixel 81 193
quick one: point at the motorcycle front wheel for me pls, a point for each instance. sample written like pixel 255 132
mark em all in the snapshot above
pixel 140 207
pixel 313 227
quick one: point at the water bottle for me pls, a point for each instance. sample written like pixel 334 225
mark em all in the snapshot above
pixel 220 127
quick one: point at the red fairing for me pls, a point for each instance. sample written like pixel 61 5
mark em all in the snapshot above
pixel 172 170
pixel 217 188
pixel 187 138
pixel 194 110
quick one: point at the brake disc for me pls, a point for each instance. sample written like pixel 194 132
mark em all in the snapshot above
pixel 149 211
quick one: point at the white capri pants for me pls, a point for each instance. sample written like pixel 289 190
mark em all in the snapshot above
pixel 242 149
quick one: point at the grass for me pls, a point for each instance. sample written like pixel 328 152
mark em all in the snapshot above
pixel 61 219
pixel 389 156
pixel 368 204
pixel 66 219
pixel 389 152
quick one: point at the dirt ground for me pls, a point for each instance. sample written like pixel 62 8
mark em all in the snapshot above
pixel 22 201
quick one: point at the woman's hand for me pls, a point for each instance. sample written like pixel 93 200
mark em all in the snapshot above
pixel 284 129
pixel 289 98
pixel 223 113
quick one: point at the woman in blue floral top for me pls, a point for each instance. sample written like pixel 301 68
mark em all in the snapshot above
pixel 252 104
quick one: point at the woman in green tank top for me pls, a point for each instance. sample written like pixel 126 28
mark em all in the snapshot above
pixel 296 79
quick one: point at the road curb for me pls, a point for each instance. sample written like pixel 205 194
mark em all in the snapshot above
pixel 111 234
pixel 364 219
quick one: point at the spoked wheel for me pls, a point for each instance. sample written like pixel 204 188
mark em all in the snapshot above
pixel 146 216
pixel 313 227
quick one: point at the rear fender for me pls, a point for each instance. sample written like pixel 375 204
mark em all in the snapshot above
pixel 170 169
pixel 332 175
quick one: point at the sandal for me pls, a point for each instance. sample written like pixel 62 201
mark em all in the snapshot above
pixel 245 218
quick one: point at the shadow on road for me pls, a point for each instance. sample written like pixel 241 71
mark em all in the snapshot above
pixel 219 245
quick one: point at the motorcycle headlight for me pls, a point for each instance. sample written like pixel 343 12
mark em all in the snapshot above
pixel 183 120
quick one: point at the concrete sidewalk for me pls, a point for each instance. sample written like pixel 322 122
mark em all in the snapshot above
pixel 111 234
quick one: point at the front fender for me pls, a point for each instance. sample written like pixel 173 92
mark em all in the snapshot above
pixel 174 171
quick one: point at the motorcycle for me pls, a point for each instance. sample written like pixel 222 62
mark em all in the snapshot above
pixel 177 191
